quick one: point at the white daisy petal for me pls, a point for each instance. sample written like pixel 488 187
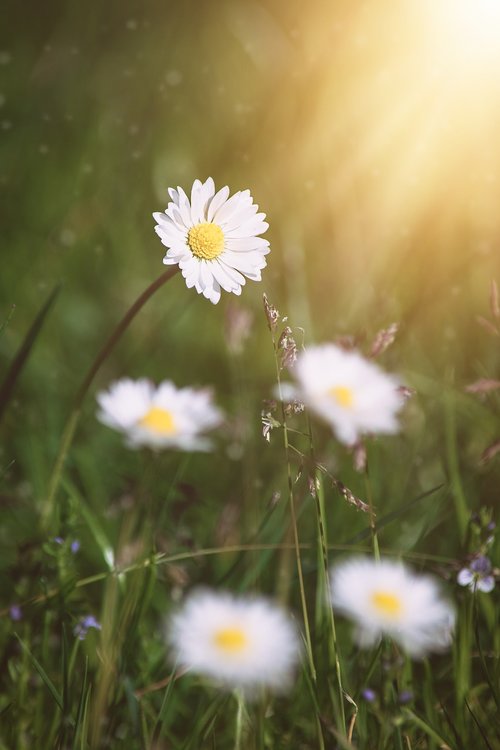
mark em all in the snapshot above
pixel 251 226
pixel 214 238
pixel 159 417
pixel 245 643
pixel 197 202
pixel 227 280
pixel 244 212
pixel 386 598
pixel 247 263
pixel 216 202
pixel 227 209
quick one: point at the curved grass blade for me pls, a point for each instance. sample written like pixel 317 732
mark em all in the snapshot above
pixel 478 725
pixel 22 355
pixel 43 674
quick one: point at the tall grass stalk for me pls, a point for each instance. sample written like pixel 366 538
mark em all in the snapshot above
pixel 373 524
pixel 293 515
pixel 319 497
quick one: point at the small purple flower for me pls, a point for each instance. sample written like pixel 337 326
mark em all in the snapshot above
pixel 58 540
pixel 15 613
pixel 369 695
pixel 83 626
pixel 405 696
pixel 75 546
pixel 478 575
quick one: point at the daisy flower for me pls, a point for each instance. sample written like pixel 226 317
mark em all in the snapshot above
pixel 213 238
pixel 346 390
pixel 160 416
pixel 386 598
pixel 239 642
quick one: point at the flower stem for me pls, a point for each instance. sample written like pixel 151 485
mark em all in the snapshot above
pixel 240 712
pixel 373 526
pixel 102 355
pixel 319 497
pixel 293 514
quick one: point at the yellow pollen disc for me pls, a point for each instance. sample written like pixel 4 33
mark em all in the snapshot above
pixel 159 421
pixel 206 240
pixel 342 395
pixel 387 604
pixel 232 640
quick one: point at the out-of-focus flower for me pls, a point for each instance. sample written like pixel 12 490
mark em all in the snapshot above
pixel 159 417
pixel 405 696
pixel 385 597
pixel 369 695
pixel 15 613
pixel 239 642
pixel 84 625
pixel 213 238
pixel 478 576
pixel 75 546
pixel 354 396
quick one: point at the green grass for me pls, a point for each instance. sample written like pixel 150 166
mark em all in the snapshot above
pixel 103 108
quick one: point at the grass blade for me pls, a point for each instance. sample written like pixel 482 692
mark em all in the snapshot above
pixel 15 369
pixel 43 674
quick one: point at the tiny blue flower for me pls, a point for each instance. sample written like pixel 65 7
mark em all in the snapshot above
pixel 15 613
pixel 83 626
pixel 405 696
pixel 478 575
pixel 369 695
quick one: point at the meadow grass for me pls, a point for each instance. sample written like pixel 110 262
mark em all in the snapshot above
pixel 103 109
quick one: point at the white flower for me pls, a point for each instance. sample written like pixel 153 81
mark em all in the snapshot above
pixel 386 598
pixel 159 417
pixel 346 390
pixel 213 238
pixel 239 642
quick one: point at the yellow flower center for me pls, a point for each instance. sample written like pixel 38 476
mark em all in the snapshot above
pixel 231 640
pixel 206 240
pixel 158 420
pixel 387 604
pixel 342 395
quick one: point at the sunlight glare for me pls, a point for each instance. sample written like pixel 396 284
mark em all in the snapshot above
pixel 469 32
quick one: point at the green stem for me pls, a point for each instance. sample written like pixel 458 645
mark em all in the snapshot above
pixel 322 531
pixel 293 514
pixel 373 525
pixel 319 497
pixel 453 463
pixel 102 355
pixel 240 711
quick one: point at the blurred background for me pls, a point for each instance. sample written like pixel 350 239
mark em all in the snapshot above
pixel 368 133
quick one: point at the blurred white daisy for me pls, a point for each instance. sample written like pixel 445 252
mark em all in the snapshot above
pixel 213 238
pixel 386 598
pixel 349 392
pixel 239 642
pixel 160 416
